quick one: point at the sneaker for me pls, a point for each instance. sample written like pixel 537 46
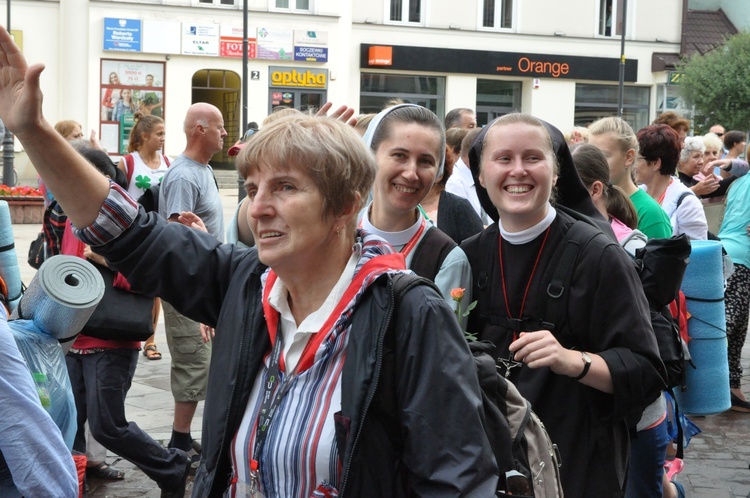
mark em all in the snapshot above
pixel 740 405
pixel 195 459
pixel 673 467
pixel 196 446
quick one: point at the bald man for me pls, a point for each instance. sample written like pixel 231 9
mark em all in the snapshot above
pixel 190 185
pixel 718 130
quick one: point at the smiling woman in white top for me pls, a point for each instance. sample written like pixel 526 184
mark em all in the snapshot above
pixel 659 153
pixel 144 167
pixel 409 145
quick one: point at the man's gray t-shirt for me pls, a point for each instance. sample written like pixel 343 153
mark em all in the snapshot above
pixel 190 186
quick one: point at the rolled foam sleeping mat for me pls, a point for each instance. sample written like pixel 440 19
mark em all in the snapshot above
pixel 62 296
pixel 9 269
pixel 707 390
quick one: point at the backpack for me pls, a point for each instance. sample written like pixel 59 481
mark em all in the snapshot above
pixel 431 252
pixel 527 459
pixel 661 265
pixel 150 197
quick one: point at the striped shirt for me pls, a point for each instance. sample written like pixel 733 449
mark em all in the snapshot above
pixel 300 451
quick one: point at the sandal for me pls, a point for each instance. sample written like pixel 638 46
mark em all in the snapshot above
pixel 150 352
pixel 104 471
pixel 673 467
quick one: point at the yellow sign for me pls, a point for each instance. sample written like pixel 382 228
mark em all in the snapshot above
pixel 17 36
pixel 286 77
pixel 675 78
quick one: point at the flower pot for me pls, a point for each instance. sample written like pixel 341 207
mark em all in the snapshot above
pixel 25 209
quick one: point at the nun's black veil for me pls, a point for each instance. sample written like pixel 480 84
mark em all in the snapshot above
pixel 571 193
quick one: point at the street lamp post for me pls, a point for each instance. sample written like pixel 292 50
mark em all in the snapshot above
pixel 621 86
pixel 8 176
pixel 245 48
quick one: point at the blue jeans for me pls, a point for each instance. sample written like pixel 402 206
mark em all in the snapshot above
pixel 100 383
pixel 646 467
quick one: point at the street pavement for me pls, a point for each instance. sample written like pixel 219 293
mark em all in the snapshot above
pixel 717 462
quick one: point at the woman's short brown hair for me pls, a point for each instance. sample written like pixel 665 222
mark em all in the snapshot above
pixel 331 153
pixel 66 127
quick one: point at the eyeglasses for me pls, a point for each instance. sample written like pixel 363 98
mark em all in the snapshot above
pixel 719 134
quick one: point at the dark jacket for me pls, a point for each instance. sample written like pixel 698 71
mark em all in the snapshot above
pixel 724 184
pixel 456 218
pixel 605 313
pixel 429 451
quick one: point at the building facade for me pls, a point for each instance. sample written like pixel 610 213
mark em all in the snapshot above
pixel 557 60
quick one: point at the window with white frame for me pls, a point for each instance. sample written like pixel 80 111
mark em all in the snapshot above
pixel 496 14
pixel 291 5
pixel 224 3
pixel 611 18
pixel 404 11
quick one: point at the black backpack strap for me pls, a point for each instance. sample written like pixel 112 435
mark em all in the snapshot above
pixel 682 197
pixel 577 237
pixel 402 283
pixel 431 252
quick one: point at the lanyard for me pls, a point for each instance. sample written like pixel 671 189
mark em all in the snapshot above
pixel 413 241
pixel 415 238
pixel 271 401
pixel 528 284
pixel 661 197
pixel 275 389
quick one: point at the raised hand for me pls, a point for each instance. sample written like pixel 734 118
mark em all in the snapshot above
pixel 20 95
pixel 192 220
pixel 343 113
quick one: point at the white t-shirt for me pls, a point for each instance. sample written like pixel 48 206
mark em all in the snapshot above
pixel 144 177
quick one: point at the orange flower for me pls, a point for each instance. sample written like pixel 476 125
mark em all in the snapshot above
pixel 457 294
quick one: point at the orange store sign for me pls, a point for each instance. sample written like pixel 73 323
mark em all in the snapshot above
pixel 380 56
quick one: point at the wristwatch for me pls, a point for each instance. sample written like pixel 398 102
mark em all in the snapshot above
pixel 586 365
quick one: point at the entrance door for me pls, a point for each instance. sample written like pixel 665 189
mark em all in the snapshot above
pixel 222 89
pixel 295 98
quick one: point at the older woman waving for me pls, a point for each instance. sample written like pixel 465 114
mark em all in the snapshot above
pixel 655 169
pixel 585 370
pixel 307 324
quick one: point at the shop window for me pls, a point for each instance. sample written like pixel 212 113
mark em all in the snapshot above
pixel 497 98
pixel 668 98
pixel 496 14
pixel 404 11
pixel 380 90
pixel 599 101
pixel 290 5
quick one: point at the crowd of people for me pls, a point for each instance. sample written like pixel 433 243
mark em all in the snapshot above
pixel 319 379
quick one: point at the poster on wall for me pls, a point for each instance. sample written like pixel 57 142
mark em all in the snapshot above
pixel 123 35
pixel 311 46
pixel 275 44
pixel 127 87
pixel 230 42
pixel 200 39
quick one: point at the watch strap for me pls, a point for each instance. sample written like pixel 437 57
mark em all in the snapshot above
pixel 586 365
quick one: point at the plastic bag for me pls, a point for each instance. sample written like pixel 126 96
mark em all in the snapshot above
pixel 46 363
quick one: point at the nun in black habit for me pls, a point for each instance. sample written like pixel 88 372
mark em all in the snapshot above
pixel 587 361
